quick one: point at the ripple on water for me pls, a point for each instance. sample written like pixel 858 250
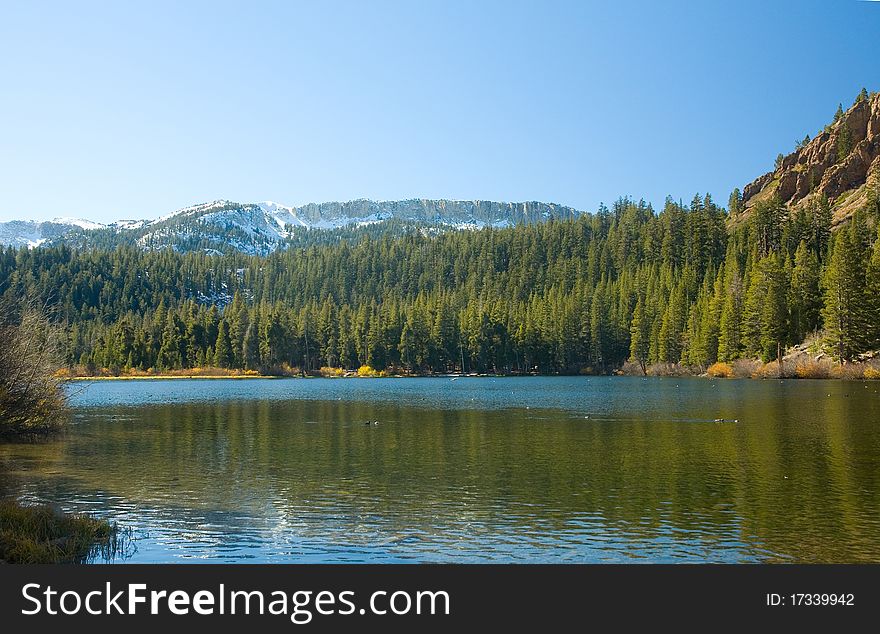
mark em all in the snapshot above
pixel 530 469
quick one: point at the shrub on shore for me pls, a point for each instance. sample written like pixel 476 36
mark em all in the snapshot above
pixel 42 535
pixel 83 372
pixel 720 370
pixel 814 369
pixel 32 401
pixel 745 368
pixel 329 372
pixel 366 371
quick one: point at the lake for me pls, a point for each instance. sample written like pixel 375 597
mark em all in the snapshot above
pixel 577 469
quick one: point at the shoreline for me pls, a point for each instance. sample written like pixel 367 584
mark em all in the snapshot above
pixel 170 377
pixel 165 377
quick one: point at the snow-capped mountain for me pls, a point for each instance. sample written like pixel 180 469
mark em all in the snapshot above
pixel 28 233
pixel 260 228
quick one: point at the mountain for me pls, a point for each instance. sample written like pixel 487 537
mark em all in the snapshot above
pixel 841 163
pixel 29 233
pixel 260 228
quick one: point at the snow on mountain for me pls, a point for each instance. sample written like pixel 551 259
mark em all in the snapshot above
pixel 129 224
pixel 78 222
pixel 30 233
pixel 260 228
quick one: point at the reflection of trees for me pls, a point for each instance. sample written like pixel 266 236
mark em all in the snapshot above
pixel 799 477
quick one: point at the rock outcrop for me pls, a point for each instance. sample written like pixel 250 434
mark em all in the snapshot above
pixel 842 162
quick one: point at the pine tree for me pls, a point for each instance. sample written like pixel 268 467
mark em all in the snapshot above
pixel 237 316
pixel 873 295
pixel 407 345
pixel 640 336
pixel 820 212
pixel 734 203
pixel 223 355
pixel 844 287
pixel 774 311
pixel 599 327
pixel 769 218
pixel 805 297
pixel 250 353
pixel 170 356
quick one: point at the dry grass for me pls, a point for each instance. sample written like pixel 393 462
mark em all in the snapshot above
pixel 813 369
pixel 670 369
pixel 746 368
pixel 629 368
pixel 850 371
pixel 42 535
pixel 771 370
pixel 81 372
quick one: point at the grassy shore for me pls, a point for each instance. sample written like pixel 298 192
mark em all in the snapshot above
pixel 43 535
pixel 165 377
pixel 800 367
pixel 84 372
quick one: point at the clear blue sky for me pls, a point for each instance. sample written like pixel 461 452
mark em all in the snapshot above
pixel 129 110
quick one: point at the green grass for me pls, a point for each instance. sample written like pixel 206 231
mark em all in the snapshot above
pixel 43 535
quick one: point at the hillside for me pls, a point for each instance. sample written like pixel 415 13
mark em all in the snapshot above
pixel 841 163
pixel 679 289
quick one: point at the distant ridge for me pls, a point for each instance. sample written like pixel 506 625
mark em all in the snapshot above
pixel 260 228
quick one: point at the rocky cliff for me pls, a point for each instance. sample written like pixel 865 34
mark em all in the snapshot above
pixel 842 162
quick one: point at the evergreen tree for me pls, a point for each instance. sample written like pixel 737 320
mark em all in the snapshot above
pixel 872 307
pixel 729 339
pixel 640 337
pixel 223 355
pixel 844 284
pixel 820 212
pixel 805 297
pixel 774 311
pixel 172 344
pixel 734 203
pixel 250 353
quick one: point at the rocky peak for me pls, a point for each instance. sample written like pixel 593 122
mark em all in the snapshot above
pixel 841 162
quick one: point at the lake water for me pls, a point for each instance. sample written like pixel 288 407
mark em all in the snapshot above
pixel 580 469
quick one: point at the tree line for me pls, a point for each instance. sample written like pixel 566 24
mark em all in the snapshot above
pixel 689 285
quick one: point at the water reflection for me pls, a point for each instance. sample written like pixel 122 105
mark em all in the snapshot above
pixel 483 469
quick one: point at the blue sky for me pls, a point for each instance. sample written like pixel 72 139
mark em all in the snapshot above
pixel 130 110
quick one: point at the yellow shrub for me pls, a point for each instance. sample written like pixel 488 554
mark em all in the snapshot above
pixel 871 373
pixel 367 371
pixel 720 370
pixel 327 371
